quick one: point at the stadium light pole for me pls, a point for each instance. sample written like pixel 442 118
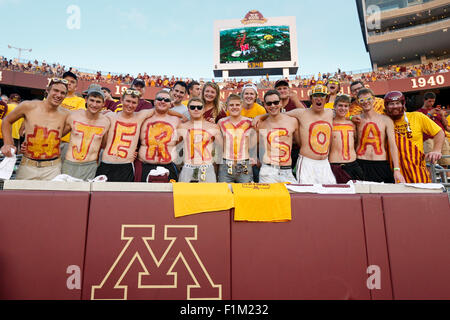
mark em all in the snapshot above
pixel 20 50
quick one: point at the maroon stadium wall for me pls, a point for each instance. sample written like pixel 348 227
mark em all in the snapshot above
pixel 128 245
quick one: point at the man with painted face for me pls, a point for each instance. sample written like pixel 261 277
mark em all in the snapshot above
pixel 44 127
pixel 89 130
pixel 409 130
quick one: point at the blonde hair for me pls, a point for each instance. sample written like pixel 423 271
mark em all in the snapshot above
pixel 217 105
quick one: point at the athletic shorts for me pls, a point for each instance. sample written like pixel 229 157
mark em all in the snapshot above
pixel 310 171
pixel 202 174
pixel 275 174
pixel 116 172
pixel 38 170
pixel 81 170
pixel 344 172
pixel 235 171
pixel 377 171
pixel 147 167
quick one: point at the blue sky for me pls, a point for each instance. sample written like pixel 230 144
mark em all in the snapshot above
pixel 173 37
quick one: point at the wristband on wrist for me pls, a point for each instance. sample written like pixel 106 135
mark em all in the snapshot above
pixel 350 118
pixel 396 169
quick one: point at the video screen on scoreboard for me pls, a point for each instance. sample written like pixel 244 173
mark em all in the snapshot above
pixel 255 44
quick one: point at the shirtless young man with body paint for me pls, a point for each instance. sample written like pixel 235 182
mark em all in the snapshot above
pixel 200 137
pixel 44 127
pixel 158 139
pixel 276 134
pixel 89 130
pixel 374 132
pixel 342 155
pixel 239 144
pixel 123 137
pixel 316 125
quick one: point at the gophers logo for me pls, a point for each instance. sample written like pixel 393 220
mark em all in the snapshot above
pixel 254 16
pixel 157 269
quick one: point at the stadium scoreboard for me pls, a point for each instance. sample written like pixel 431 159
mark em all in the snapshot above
pixel 255 45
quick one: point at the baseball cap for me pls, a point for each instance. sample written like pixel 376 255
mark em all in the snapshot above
pixel 249 86
pixel 70 74
pixel 138 82
pixel 281 82
pixel 94 88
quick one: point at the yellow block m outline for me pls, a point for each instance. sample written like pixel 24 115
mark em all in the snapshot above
pixel 158 273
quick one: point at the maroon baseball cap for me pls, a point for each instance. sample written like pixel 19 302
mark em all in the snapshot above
pixel 281 82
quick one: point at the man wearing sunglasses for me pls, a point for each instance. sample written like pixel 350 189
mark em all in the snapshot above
pixel 89 130
pixel 334 87
pixel 158 140
pixel 123 137
pixel 240 143
pixel 374 131
pixel 355 107
pixel 200 139
pixel 276 134
pixel 44 127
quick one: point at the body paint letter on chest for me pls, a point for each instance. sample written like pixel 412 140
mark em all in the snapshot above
pixel 158 135
pixel 235 136
pixel 119 146
pixel 87 136
pixel 198 142
pixel 43 143
pixel 320 137
pixel 370 136
pixel 344 131
pixel 279 151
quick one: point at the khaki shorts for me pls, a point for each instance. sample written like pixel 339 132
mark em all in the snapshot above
pixel 428 147
pixel 38 170
pixel 80 170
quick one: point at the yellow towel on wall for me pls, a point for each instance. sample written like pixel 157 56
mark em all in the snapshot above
pixel 191 198
pixel 262 202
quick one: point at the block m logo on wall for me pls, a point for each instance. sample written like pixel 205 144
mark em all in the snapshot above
pixel 157 273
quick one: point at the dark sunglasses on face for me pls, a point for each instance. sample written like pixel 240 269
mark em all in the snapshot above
pixel 199 107
pixel 163 99
pixel 275 103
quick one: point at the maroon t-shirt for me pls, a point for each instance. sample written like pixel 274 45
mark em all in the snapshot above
pixel 436 117
pixel 290 106
pixel 209 115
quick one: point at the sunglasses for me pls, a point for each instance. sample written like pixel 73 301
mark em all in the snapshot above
pixel 275 103
pixel 59 80
pixel 132 92
pixel 200 107
pixel 333 82
pixel 362 100
pixel 163 99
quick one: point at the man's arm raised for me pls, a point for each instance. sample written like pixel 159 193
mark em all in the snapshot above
pixel 7 123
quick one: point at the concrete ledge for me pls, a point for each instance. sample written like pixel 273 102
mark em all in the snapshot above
pixel 131 187
pixel 46 185
pixel 398 188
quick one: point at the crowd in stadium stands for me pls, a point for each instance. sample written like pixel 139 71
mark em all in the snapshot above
pixel 337 139
pixel 381 74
